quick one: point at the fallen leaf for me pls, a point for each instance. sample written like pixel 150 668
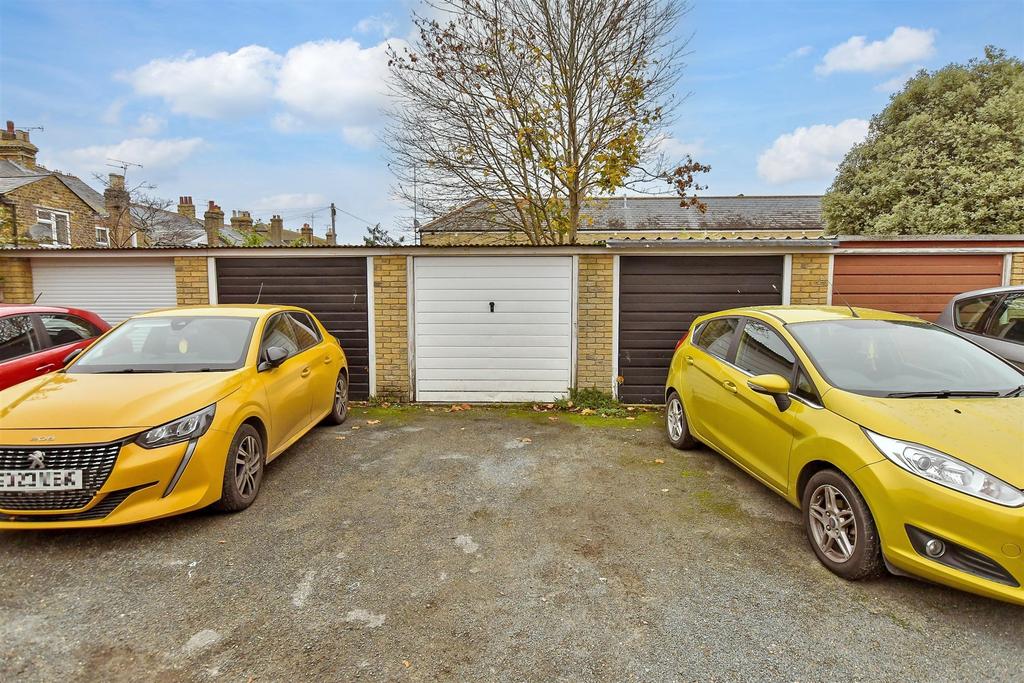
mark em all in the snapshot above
pixel 406 663
pixel 340 438
pixel 630 418
pixel 664 490
pixel 587 411
pixel 630 408
pixel 355 426
pixel 466 406
pixel 526 439
pixel 549 406
pixel 373 422
pixel 659 461
pixel 553 418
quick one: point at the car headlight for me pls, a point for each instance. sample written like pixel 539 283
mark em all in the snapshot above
pixel 946 470
pixel 191 426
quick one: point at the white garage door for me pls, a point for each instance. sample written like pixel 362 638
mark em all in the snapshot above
pixel 115 288
pixel 493 328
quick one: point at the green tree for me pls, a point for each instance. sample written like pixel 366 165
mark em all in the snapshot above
pixel 376 236
pixel 945 156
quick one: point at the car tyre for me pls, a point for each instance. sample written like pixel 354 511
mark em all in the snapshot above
pixel 840 527
pixel 339 405
pixel 243 470
pixel 677 427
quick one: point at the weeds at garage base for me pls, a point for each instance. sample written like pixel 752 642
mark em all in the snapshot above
pixel 595 402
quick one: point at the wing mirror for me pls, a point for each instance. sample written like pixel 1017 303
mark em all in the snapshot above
pixel 272 357
pixel 775 386
pixel 71 356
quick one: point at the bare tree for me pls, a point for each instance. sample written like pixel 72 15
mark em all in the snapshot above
pixel 526 110
pixel 135 216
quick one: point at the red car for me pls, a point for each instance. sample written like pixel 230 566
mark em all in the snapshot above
pixel 35 340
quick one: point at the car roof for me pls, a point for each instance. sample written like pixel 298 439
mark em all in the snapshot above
pixel 229 310
pixel 23 309
pixel 990 290
pixel 803 314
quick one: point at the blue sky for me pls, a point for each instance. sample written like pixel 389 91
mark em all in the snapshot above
pixel 274 106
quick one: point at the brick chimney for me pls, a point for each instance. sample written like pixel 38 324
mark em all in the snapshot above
pixel 307 233
pixel 186 208
pixel 116 203
pixel 276 229
pixel 332 238
pixel 213 221
pixel 15 146
pixel 241 221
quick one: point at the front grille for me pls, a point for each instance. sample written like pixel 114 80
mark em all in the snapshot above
pixel 98 511
pixel 96 462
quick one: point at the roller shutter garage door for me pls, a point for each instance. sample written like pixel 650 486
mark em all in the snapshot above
pixel 914 284
pixel 659 296
pixel 493 329
pixel 114 288
pixel 333 289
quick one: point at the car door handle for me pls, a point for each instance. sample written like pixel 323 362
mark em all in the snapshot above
pixel 44 368
pixel 305 372
pixel 328 360
pixel 689 360
pixel 729 386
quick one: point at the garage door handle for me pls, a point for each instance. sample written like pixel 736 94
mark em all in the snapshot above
pixel 729 386
pixel 689 360
pixel 44 368
pixel 305 372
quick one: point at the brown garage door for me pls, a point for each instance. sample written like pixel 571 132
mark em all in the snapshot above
pixel 659 296
pixel 914 284
pixel 333 289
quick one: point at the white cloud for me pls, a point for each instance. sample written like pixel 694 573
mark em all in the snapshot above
pixel 904 46
pixel 809 153
pixel 149 124
pixel 112 114
pixel 154 155
pixel 802 51
pixel 333 82
pixel 380 24
pixel 896 82
pixel 675 149
pixel 290 200
pixel 217 86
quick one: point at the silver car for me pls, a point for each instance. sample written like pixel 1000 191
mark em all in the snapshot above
pixel 993 318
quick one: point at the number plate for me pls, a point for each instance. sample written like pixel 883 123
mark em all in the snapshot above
pixel 40 480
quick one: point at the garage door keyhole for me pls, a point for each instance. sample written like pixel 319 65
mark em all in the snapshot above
pixel 492 307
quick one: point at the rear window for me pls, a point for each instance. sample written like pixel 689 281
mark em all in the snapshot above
pixel 970 313
pixel 17 337
pixel 716 336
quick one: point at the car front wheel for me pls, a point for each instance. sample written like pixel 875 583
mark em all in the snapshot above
pixel 840 527
pixel 676 425
pixel 243 471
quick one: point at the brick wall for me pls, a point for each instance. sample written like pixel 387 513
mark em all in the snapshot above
pixel 16 280
pixel 1017 270
pixel 809 279
pixel 594 322
pixel 51 193
pixel 192 280
pixel 390 310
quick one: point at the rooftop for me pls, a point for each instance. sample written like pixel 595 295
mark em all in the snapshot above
pixel 806 314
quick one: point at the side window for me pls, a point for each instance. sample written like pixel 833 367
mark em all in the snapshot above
pixel 306 331
pixel 1008 320
pixel 762 352
pixel 716 336
pixel 279 332
pixel 970 313
pixel 67 329
pixel 804 388
pixel 17 337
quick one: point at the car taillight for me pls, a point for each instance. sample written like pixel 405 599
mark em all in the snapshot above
pixel 680 342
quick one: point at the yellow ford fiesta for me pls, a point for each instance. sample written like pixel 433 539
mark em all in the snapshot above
pixel 902 443
pixel 170 411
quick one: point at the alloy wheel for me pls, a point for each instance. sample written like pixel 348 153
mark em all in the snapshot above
pixel 675 419
pixel 248 462
pixel 340 394
pixel 833 523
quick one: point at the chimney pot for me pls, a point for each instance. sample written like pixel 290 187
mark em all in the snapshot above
pixel 10 126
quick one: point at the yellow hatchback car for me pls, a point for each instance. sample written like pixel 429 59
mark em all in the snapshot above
pixel 902 443
pixel 169 412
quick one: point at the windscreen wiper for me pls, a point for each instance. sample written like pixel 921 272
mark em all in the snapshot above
pixel 944 393
pixel 125 371
pixel 1014 392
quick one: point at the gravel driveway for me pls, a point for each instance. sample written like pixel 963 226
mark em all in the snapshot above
pixel 490 544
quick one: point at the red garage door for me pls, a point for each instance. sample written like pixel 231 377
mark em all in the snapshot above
pixel 913 284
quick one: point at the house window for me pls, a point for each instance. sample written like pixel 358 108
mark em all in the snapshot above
pixel 59 224
pixel 102 237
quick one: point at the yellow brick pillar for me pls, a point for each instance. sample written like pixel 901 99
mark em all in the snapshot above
pixel 192 280
pixel 16 280
pixel 1017 270
pixel 809 279
pixel 594 322
pixel 391 326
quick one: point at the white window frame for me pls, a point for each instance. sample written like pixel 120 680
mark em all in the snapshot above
pixel 52 222
pixel 106 233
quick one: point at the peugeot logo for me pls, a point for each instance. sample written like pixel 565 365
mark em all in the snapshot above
pixel 36 461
